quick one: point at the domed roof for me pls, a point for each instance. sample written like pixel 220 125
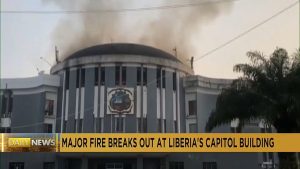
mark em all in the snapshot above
pixel 122 48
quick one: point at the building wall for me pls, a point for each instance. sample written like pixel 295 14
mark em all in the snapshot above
pixel 28 113
pixel 31 160
pixel 146 103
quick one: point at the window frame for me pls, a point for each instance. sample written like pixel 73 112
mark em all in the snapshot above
pixel 194 113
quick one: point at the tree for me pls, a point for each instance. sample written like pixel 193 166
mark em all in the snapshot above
pixel 269 90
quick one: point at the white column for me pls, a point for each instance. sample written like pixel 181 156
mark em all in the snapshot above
pixel 82 103
pixel 77 103
pixel 144 101
pixel 95 112
pixel 158 112
pixel 138 101
pixel 67 105
pixel 102 90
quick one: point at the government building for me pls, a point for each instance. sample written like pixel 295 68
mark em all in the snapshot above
pixel 119 88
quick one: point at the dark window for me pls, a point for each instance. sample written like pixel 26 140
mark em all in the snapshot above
pixel 67 79
pixel 164 79
pixel 123 75
pixel 10 106
pixel 96 76
pixel 159 128
pixel 75 125
pixel 144 76
pixel 3 104
pixel 144 125
pixel 209 165
pixel 5 130
pixel 80 126
pixel 47 128
pixel 16 165
pixel 95 124
pixel 49 165
pixel 77 77
pixel 139 76
pixel 174 81
pixel 65 126
pixel 114 165
pixel 165 125
pixel 82 77
pixel 175 127
pixel 158 78
pixel 139 125
pixel 176 165
pixel 49 106
pixel 119 124
pixel 117 75
pixel 192 107
pixel 102 75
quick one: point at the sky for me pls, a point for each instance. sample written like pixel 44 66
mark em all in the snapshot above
pixel 26 37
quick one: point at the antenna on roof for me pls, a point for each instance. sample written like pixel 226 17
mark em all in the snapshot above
pixel 192 62
pixel 175 51
pixel 37 69
pixel 56 55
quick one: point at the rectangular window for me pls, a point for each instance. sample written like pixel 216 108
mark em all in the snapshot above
pixel 3 104
pixel 175 127
pixel 164 125
pixel 10 106
pixel 193 128
pixel 5 130
pixel 117 75
pixel 144 76
pixel 65 126
pixel 49 106
pixel 47 128
pixel 67 79
pixel 174 81
pixel 209 165
pixel 144 125
pixel 119 124
pixel 77 77
pixel 102 75
pixel 124 76
pixel 192 108
pixel 114 166
pixel 158 77
pixel 75 125
pixel 48 165
pixel 163 79
pixel 138 76
pixel 82 78
pixel 159 128
pixel 176 165
pixel 96 76
pixel 16 165
pixel 100 125
pixel 80 126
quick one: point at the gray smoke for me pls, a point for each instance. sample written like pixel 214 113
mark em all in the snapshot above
pixel 161 28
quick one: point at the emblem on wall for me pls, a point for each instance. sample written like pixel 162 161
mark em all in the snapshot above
pixel 120 101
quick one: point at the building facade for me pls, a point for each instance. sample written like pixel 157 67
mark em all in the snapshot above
pixel 118 88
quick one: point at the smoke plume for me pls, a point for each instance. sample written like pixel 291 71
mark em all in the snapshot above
pixel 102 21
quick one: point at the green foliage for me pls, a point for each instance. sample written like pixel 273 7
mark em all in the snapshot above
pixel 269 89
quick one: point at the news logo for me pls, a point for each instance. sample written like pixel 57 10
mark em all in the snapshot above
pixel 30 142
